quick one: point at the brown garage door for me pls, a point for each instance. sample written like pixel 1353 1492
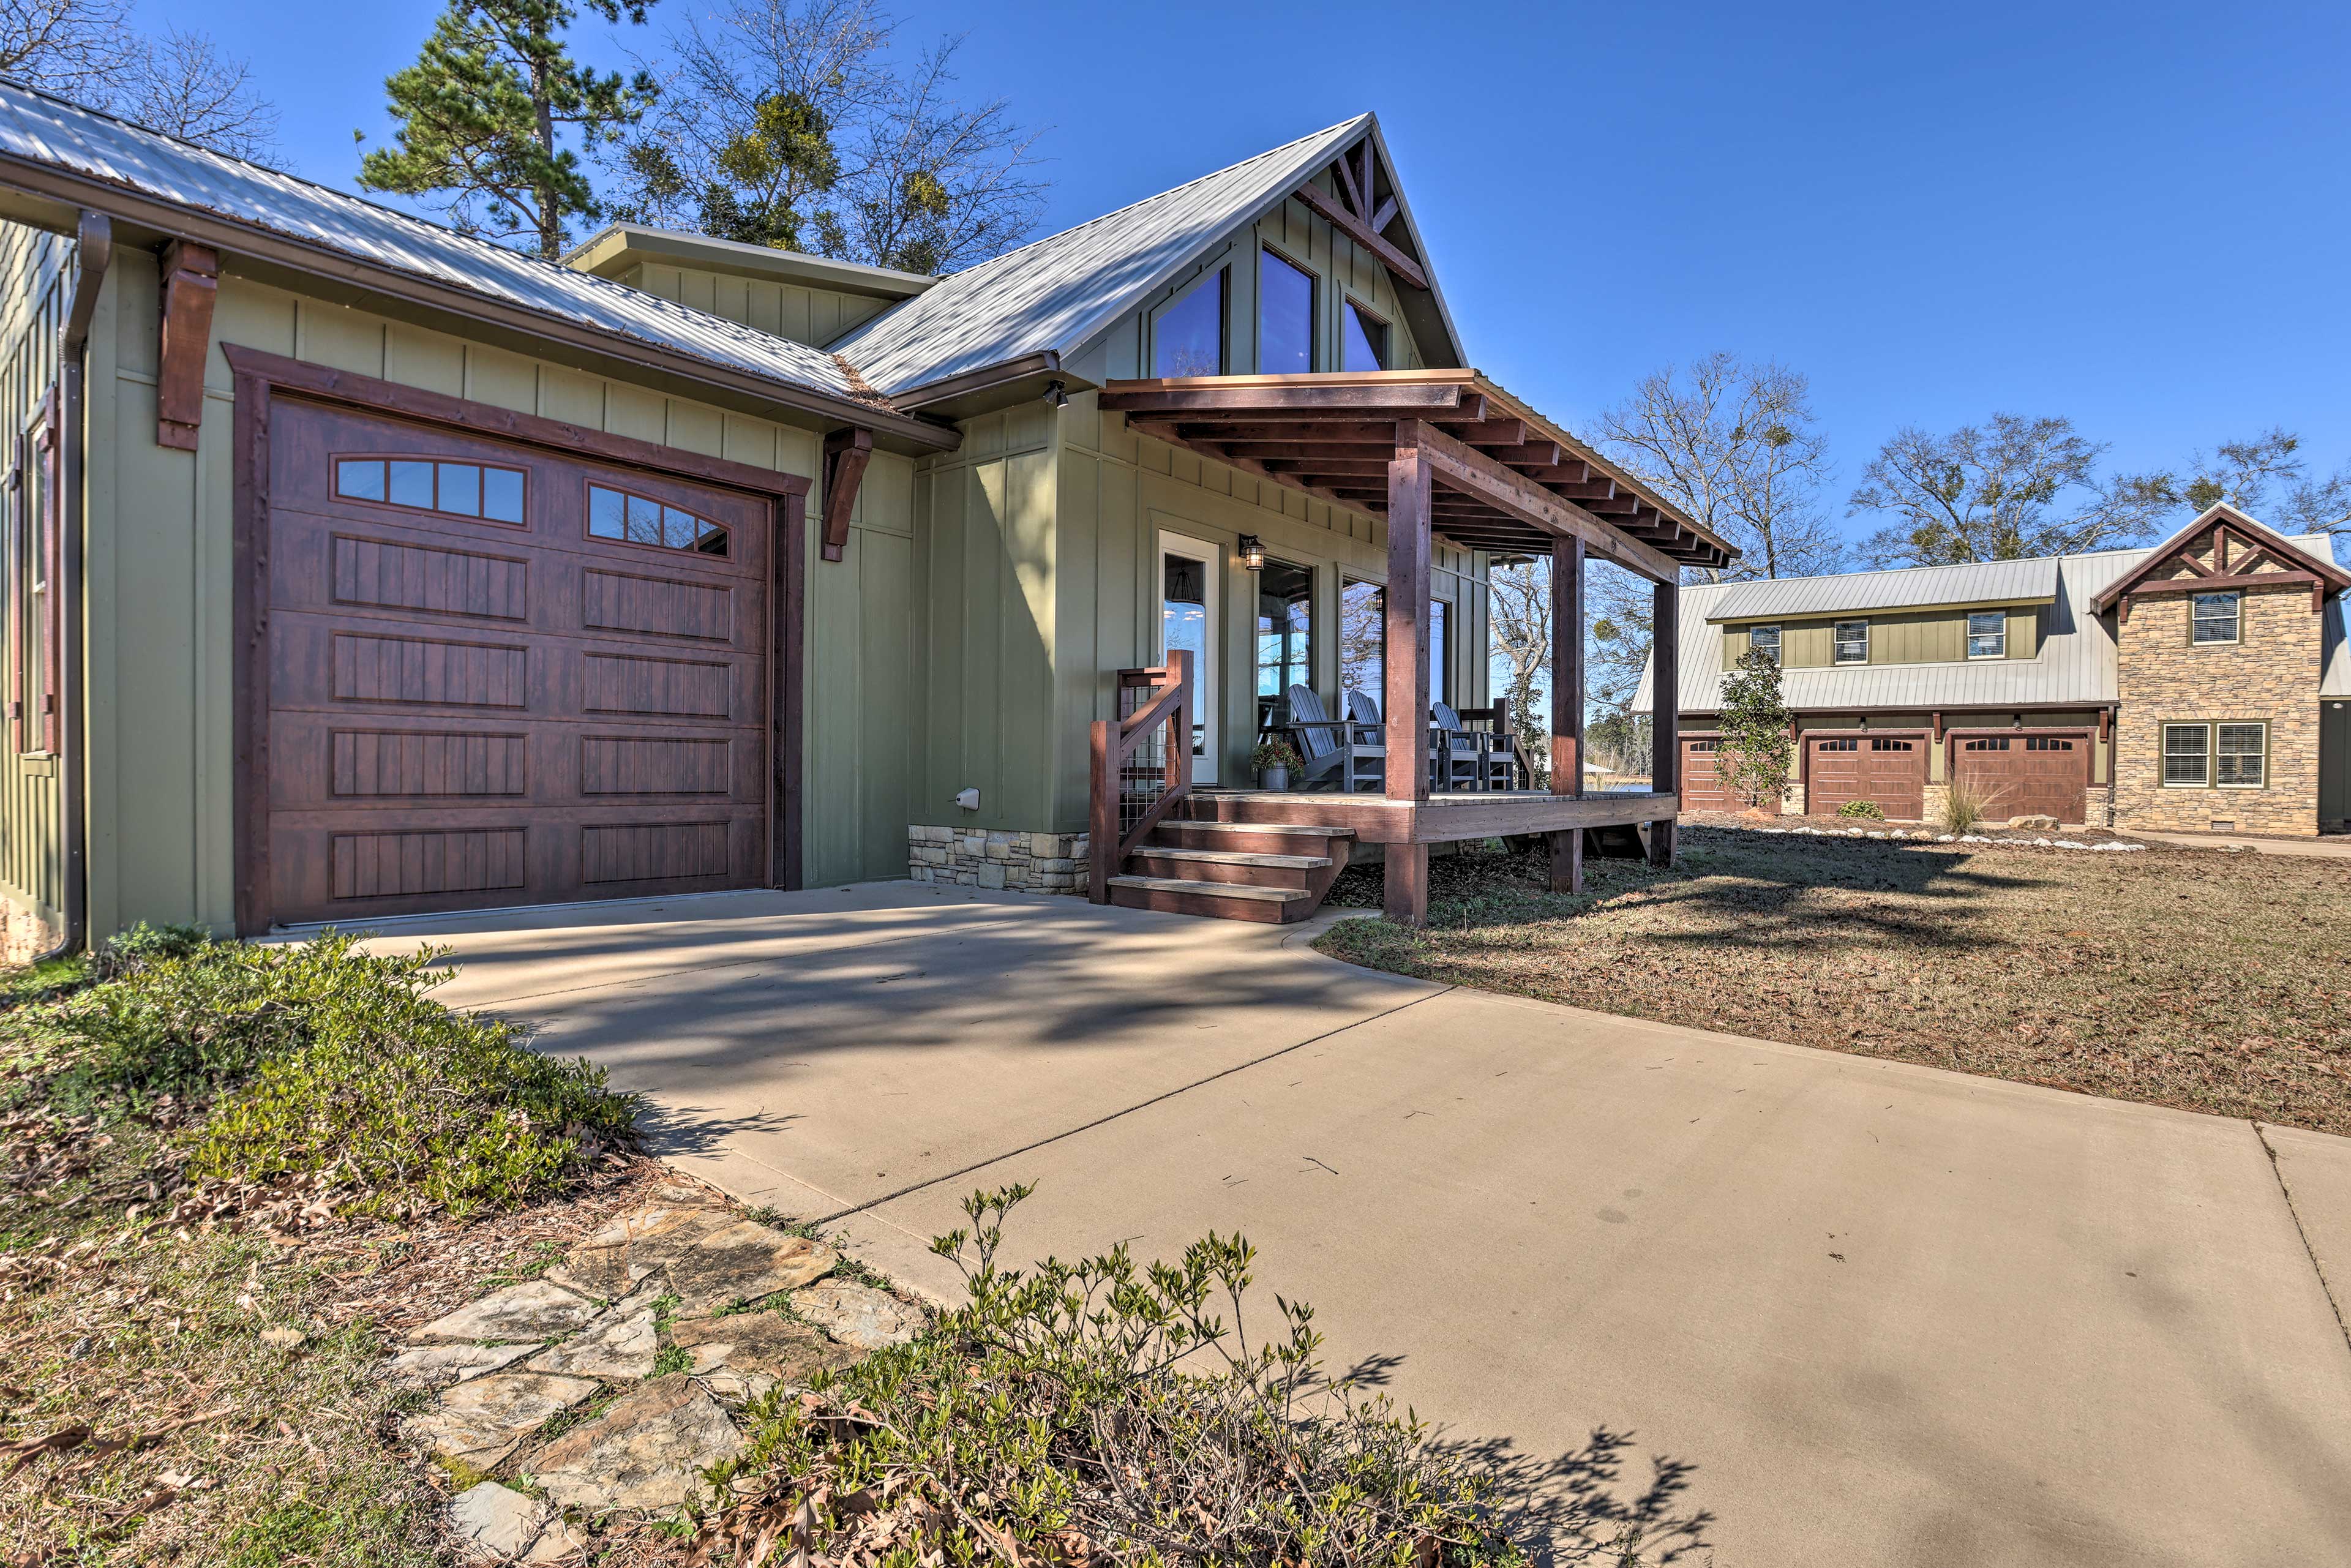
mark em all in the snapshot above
pixel 1701 787
pixel 2027 775
pixel 499 675
pixel 1888 769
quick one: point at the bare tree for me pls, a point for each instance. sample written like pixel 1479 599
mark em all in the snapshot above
pixel 1736 446
pixel 2014 487
pixel 181 83
pixel 1517 615
pixel 785 122
pixel 72 48
pixel 1616 620
pixel 2267 480
pixel 178 82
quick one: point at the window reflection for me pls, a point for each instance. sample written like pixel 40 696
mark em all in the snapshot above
pixel 1285 318
pixel 1366 340
pixel 1189 338
pixel 641 520
pixel 1362 639
pixel 1285 628
pixel 460 489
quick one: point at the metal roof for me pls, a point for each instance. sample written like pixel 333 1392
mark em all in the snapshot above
pixel 1908 588
pixel 1053 295
pixel 2075 666
pixel 617 246
pixel 36 128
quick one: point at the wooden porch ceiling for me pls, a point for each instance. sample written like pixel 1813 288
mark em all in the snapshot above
pixel 1511 483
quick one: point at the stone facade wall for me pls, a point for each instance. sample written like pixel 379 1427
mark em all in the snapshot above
pixel 2270 673
pixel 981 857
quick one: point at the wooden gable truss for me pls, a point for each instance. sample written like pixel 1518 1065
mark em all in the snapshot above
pixel 1367 207
pixel 2221 550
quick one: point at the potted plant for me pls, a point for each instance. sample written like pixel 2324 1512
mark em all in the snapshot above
pixel 1273 759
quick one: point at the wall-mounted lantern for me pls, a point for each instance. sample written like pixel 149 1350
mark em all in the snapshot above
pixel 1252 552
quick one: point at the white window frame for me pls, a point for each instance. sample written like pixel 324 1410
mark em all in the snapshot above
pixel 1207 700
pixel 1999 633
pixel 1776 642
pixel 1838 641
pixel 2262 755
pixel 2165 754
pixel 2236 620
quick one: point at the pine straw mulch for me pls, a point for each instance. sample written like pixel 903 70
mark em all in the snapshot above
pixel 2196 978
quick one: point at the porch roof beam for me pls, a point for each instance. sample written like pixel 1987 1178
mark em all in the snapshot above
pixel 1469 470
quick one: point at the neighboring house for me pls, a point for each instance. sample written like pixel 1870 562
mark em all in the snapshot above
pixel 357 568
pixel 2191 687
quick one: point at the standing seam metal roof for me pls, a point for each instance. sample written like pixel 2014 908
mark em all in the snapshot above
pixel 2075 665
pixel 1974 582
pixel 1053 293
pixel 36 128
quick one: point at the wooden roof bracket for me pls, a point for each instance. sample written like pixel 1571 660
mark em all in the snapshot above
pixel 191 283
pixel 1354 214
pixel 846 453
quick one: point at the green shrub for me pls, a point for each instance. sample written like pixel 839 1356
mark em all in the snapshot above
pixel 1102 1412
pixel 1867 809
pixel 322 1059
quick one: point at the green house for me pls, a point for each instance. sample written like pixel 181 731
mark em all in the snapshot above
pixel 358 569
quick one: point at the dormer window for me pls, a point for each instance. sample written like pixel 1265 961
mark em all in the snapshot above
pixel 2215 619
pixel 1285 316
pixel 1987 633
pixel 1765 640
pixel 1853 641
pixel 1367 339
pixel 1188 339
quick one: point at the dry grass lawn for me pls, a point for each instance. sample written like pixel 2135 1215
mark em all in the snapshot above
pixel 2195 979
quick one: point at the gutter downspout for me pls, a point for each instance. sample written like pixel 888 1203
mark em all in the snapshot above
pixel 95 251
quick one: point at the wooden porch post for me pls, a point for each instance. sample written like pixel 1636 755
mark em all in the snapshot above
pixel 1407 667
pixel 1665 723
pixel 1567 703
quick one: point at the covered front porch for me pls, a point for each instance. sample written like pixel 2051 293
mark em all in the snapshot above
pixel 1436 454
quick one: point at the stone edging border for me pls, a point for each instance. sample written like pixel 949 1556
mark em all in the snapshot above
pixel 1924 837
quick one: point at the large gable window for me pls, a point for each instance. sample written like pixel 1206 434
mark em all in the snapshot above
pixel 1285 316
pixel 1188 339
pixel 1366 340
pixel 2215 619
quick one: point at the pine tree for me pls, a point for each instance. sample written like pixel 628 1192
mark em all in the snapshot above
pixel 482 109
pixel 1753 756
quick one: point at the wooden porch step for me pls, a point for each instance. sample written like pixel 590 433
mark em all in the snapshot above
pixel 1224 900
pixel 1230 866
pixel 1254 838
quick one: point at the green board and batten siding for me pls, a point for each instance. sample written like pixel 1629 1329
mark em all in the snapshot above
pixel 1038 539
pixel 160 590
pixel 1895 637
pixel 812 316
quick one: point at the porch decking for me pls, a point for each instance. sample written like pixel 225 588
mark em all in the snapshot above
pixel 1448 816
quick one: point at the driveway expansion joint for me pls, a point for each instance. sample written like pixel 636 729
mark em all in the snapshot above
pixel 1180 1089
pixel 2285 1192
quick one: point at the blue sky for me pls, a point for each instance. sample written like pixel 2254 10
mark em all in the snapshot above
pixel 2134 215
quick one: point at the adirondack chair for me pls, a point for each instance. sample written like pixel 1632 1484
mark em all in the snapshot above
pixel 1365 711
pixel 1465 756
pixel 1338 752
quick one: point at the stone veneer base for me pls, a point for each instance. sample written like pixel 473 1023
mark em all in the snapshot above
pixel 995 858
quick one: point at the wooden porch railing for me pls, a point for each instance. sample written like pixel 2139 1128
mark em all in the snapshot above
pixel 1142 764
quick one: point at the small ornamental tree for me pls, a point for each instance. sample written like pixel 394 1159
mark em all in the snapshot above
pixel 1755 749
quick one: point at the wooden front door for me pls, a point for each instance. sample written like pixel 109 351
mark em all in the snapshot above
pixel 2025 774
pixel 503 675
pixel 1889 771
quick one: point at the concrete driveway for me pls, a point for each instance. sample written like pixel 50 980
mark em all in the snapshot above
pixel 1891 1315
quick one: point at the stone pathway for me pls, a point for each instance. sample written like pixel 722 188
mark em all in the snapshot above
pixel 611 1383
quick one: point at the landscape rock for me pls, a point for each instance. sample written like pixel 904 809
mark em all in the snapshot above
pixel 743 1262
pixel 648 1451
pixel 439 1366
pixel 505 1526
pixel 283 1339
pixel 742 1355
pixel 481 1421
pixel 858 1314
pixel 619 1342
pixel 536 1310
pixel 617 1258
pixel 2038 823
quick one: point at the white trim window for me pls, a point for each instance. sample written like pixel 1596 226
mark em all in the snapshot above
pixel 2240 756
pixel 1987 633
pixel 2186 755
pixel 1765 640
pixel 1853 641
pixel 2214 618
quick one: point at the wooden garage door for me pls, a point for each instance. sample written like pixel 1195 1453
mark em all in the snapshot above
pixel 1889 769
pixel 499 675
pixel 2027 775
pixel 1702 788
